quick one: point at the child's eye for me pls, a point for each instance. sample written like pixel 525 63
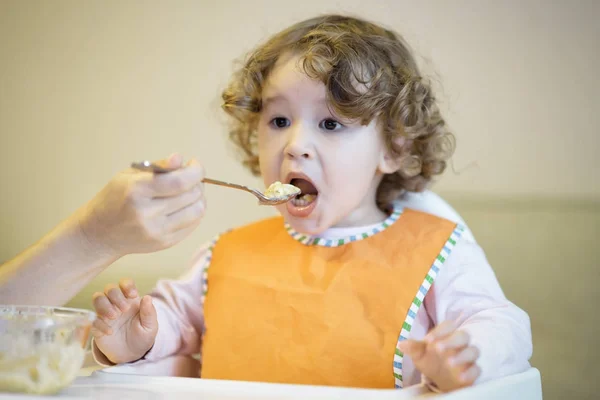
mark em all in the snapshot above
pixel 280 122
pixel 330 125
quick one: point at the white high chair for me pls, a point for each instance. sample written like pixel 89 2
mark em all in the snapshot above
pixel 158 378
pixel 433 204
pixel 526 385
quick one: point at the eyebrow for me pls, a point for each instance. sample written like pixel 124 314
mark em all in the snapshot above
pixel 272 99
pixel 278 98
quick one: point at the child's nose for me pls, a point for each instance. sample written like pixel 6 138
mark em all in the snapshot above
pixel 299 143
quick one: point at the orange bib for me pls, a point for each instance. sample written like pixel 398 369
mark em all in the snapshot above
pixel 322 313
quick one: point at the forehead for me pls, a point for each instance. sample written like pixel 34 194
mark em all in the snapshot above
pixel 287 81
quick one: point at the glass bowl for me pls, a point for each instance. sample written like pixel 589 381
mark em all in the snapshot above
pixel 42 348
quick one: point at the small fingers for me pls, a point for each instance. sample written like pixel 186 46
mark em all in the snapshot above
pixel 414 348
pixel 101 328
pixel 456 340
pixel 148 317
pixel 116 297
pixel 103 306
pixel 466 356
pixel 441 331
pixel 470 375
pixel 128 288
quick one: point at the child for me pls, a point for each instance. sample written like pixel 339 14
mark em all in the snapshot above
pixel 346 288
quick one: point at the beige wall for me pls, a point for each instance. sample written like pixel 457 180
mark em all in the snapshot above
pixel 86 87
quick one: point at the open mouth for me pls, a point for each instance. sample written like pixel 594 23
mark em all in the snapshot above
pixel 308 193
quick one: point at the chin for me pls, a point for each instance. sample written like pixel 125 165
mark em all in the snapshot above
pixel 307 226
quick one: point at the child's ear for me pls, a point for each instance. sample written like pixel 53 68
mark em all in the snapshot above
pixel 389 163
pixel 390 160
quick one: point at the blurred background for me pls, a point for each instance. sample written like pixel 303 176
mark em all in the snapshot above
pixel 87 87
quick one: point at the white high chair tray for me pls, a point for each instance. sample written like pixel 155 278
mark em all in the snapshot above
pixel 125 382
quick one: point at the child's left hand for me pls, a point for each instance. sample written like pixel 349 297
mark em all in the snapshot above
pixel 444 357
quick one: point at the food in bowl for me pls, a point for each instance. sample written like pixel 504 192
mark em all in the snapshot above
pixel 42 348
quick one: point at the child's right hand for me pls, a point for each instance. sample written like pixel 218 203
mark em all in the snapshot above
pixel 126 326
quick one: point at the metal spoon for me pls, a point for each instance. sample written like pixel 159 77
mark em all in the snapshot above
pixel 262 198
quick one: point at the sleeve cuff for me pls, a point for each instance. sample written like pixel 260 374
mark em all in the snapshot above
pixel 102 360
pixel 99 356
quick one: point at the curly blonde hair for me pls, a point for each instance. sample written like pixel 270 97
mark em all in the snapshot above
pixel 369 72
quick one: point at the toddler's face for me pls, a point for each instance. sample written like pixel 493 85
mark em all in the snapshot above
pixel 337 164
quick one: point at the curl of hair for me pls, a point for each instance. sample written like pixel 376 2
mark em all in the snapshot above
pixel 369 72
